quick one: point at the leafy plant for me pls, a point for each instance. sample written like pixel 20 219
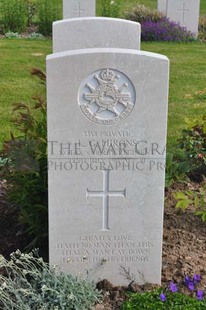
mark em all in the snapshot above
pixel 151 300
pixel 14 15
pixel 26 169
pixel 196 198
pixel 175 171
pixel 32 8
pixel 141 13
pixel 170 297
pixel 28 283
pixel 202 28
pixel 12 35
pixel 110 8
pixel 193 144
pixel 35 35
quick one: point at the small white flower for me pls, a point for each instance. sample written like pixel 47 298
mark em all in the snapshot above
pixel 70 296
pixel 2 258
pixel 44 287
pixel 40 259
pixel 3 285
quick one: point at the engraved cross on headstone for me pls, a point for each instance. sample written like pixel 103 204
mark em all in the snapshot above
pixel 79 9
pixel 105 194
pixel 183 11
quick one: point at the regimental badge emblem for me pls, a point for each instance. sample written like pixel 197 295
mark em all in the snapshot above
pixel 106 96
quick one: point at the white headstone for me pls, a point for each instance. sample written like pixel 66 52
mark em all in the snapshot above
pixel 107 117
pixel 91 32
pixel 78 8
pixel 186 12
pixel 162 6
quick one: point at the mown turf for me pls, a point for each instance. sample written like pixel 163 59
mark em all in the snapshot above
pixel 18 57
pixel 187 79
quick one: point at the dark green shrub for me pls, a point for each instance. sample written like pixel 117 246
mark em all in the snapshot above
pixel 14 15
pixel 32 8
pixel 48 12
pixel 193 144
pixel 26 169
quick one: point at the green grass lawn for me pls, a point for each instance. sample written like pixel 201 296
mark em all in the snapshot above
pixel 187 76
pixel 18 57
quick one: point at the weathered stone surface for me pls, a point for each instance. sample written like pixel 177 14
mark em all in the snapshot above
pixel 78 8
pixel 186 12
pixel 91 32
pixel 107 116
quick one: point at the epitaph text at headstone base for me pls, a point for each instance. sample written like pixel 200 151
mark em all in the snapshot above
pixel 91 32
pixel 106 145
pixel 78 8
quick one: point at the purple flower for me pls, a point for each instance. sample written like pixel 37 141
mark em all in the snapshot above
pixel 187 279
pixel 173 287
pixel 200 294
pixel 164 30
pixel 163 297
pixel 191 286
pixel 196 278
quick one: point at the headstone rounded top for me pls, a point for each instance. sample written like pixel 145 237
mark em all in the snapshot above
pixel 93 18
pixel 95 32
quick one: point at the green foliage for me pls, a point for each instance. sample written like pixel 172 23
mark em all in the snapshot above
pixel 140 13
pixel 26 169
pixel 110 8
pixel 29 283
pixel 32 8
pixel 202 28
pixel 175 171
pixel 48 13
pixel 14 15
pixel 151 301
pixel 193 143
pixel 18 14
pixel 195 198
pixel 35 36
pixel 12 35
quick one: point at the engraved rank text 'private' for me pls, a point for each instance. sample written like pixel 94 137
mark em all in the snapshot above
pixel 105 194
pixel 107 96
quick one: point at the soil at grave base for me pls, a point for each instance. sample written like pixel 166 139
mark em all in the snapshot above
pixel 184 245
